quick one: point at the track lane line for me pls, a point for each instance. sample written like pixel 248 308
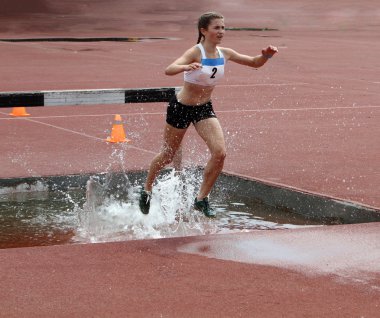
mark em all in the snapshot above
pixel 218 111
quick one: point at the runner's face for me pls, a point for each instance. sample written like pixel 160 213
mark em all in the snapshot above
pixel 215 31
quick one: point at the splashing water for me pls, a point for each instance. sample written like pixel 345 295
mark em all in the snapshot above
pixel 110 215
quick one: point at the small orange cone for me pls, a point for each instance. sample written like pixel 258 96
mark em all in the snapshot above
pixel 19 112
pixel 117 133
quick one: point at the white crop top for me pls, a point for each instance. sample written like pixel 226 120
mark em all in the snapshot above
pixel 212 70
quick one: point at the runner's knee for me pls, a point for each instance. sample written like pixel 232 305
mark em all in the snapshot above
pixel 219 155
pixel 167 156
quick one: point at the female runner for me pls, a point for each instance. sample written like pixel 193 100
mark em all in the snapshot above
pixel 203 67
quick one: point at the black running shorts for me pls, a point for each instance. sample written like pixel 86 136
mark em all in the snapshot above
pixel 181 116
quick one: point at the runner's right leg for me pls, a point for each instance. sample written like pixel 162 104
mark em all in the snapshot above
pixel 172 141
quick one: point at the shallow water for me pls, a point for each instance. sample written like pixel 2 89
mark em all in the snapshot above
pixel 108 210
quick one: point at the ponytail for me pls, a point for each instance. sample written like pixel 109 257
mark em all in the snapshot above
pixel 200 36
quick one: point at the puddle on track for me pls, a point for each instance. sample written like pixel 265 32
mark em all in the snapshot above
pixel 108 211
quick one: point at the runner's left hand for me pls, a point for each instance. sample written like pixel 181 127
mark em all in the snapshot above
pixel 269 51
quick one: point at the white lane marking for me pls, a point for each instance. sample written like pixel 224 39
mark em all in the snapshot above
pixel 263 84
pixel 358 107
pixel 83 134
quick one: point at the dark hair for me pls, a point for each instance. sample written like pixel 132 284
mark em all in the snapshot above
pixel 205 20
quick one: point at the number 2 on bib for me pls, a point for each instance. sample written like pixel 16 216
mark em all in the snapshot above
pixel 214 70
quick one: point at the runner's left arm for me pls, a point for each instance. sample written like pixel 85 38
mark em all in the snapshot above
pixel 252 61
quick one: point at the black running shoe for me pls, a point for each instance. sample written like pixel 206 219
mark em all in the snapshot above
pixel 204 207
pixel 144 201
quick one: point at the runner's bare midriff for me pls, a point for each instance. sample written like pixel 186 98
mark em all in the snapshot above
pixel 194 95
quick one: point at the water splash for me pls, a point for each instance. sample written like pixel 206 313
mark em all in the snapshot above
pixel 111 211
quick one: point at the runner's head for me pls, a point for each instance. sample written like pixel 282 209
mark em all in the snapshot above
pixel 205 20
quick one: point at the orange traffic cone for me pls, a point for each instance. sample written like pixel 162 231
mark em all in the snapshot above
pixel 117 133
pixel 19 112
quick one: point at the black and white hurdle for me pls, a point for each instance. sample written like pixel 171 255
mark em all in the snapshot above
pixel 86 97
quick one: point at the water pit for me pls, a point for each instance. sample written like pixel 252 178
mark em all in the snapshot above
pixel 104 208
